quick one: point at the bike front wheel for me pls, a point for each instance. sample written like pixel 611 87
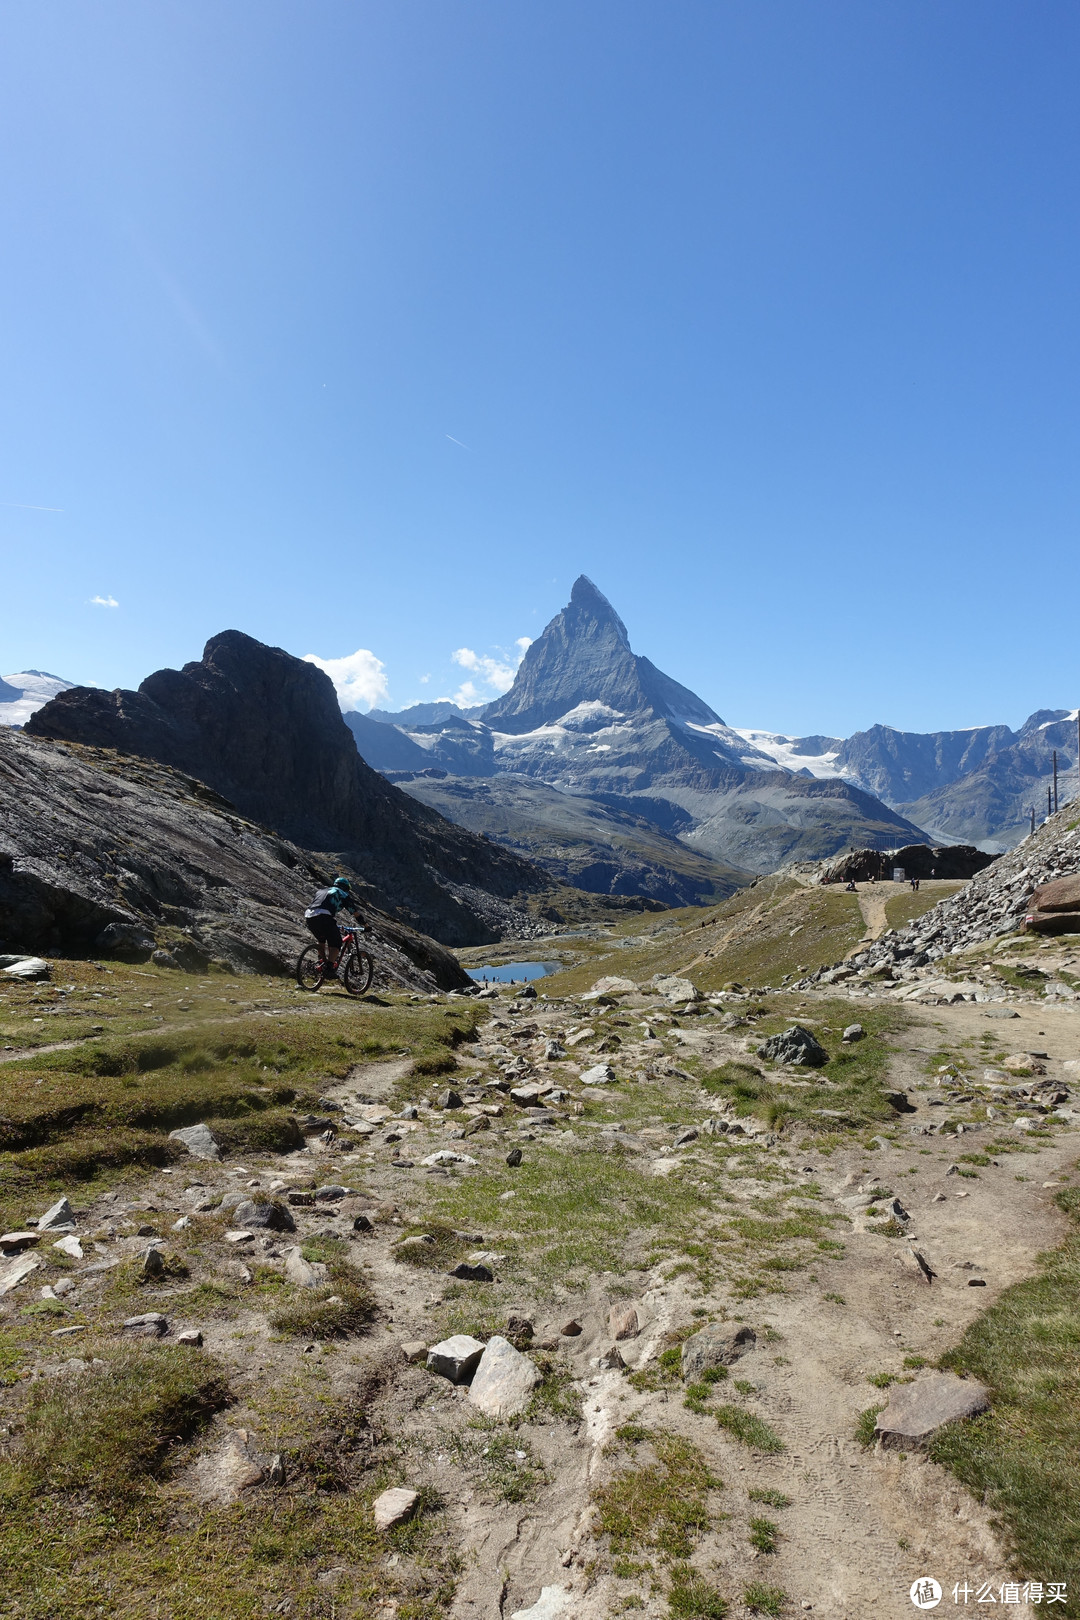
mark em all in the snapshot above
pixel 359 972
pixel 309 968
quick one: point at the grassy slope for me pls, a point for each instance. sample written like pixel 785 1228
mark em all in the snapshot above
pixel 1023 1456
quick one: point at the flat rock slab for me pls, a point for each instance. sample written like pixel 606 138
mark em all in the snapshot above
pixel 553 1601
pixel 394 1507
pixel 916 1411
pixel 447 1156
pixel 32 967
pixel 151 1325
pixel 504 1380
pixel 17 1272
pixel 601 1074
pixel 223 1475
pixel 456 1358
pixel 716 1346
pixel 199 1141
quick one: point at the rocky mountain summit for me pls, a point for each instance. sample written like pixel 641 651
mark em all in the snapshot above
pixel 263 730
pixel 109 853
pixel 593 720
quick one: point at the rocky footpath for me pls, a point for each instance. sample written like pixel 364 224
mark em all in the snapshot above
pixel 121 856
pixel 993 905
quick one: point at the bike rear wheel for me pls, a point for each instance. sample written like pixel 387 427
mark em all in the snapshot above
pixel 309 968
pixel 359 972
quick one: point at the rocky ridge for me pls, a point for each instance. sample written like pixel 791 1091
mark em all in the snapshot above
pixel 993 905
pixel 263 730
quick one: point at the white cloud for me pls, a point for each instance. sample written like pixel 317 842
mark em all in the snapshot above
pixel 497 673
pixel 104 601
pixel 358 678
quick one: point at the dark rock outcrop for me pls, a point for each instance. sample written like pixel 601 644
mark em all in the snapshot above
pixel 106 853
pixel 915 860
pixel 263 729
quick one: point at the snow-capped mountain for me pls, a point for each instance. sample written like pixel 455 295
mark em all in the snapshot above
pixel 21 694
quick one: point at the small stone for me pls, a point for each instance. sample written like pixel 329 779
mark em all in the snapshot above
pixel 153 1265
pixel 504 1380
pixel 151 1325
pixel 853 1032
pixel 363 1223
pixel 513 1159
pixel 794 1046
pixel 467 1273
pixel 301 1200
pixel 303 1273
pixel 450 1099
pixel 190 1336
pixel 455 1358
pixel 275 1473
pixel 570 1330
pixel 394 1507
pixel 715 1346
pixel 70 1246
pixel 685 1137
pixel 13 1242
pixel 601 1074
pixel 182 1224
pixel 239 1238
pixel 199 1141
pixel 519 1327
pixel 916 1411
pixel 61 1214
pixel 414 1349
pixel 610 1360
pixel 270 1216
pixel 623 1322
pixel 447 1156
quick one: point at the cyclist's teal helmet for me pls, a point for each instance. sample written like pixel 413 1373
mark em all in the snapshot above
pixel 343 883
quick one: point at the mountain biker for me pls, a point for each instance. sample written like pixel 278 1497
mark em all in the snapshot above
pixel 320 918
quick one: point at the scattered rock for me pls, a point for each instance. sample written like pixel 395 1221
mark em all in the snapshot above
pixel 673 988
pixel 504 1380
pixel 394 1507
pixel 31 967
pixel 467 1273
pixel 275 1473
pixel 513 1158
pixel 685 1138
pixel 17 1272
pixel 70 1246
pixel 553 1051
pixel 199 1141
pixel 153 1265
pixel 414 1349
pixel 623 1322
pixel 151 1325
pixel 61 1214
pixel 450 1099
pixel 14 1242
pixel 222 1476
pixel 303 1273
pixel 455 1358
pixel 301 1200
pixel 610 1360
pixel 611 986
pixel 916 1411
pixel 718 1345
pixel 447 1156
pixel 570 1330
pixel 330 1195
pixel 601 1074
pixel 239 1237
pixel 853 1032
pixel 190 1336
pixel 270 1216
pixel 794 1045
pixel 519 1327
pixel 363 1223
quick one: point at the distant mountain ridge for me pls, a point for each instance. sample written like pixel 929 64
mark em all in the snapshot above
pixel 592 719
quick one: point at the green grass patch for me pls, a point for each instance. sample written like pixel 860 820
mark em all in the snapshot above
pixel 764 1535
pixel 763 1599
pixel 750 1429
pixel 662 1505
pixel 342 1306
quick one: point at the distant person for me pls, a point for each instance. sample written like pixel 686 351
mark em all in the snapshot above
pixel 849 887
pixel 321 920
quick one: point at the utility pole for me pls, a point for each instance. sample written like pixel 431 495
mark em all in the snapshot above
pixel 1055 780
pixel 1049 803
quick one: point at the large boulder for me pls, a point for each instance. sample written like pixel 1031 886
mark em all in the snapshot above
pixel 794 1045
pixel 716 1346
pixel 504 1380
pixel 1054 908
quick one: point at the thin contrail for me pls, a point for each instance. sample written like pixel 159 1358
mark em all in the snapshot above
pixel 450 436
pixel 24 506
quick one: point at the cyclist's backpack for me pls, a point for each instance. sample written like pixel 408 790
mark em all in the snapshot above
pixel 320 907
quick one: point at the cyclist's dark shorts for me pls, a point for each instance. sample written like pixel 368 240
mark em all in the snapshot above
pixel 325 929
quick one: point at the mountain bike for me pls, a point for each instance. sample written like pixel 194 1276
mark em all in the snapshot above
pixel 355 968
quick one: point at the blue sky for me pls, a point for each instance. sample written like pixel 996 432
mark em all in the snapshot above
pixel 370 326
